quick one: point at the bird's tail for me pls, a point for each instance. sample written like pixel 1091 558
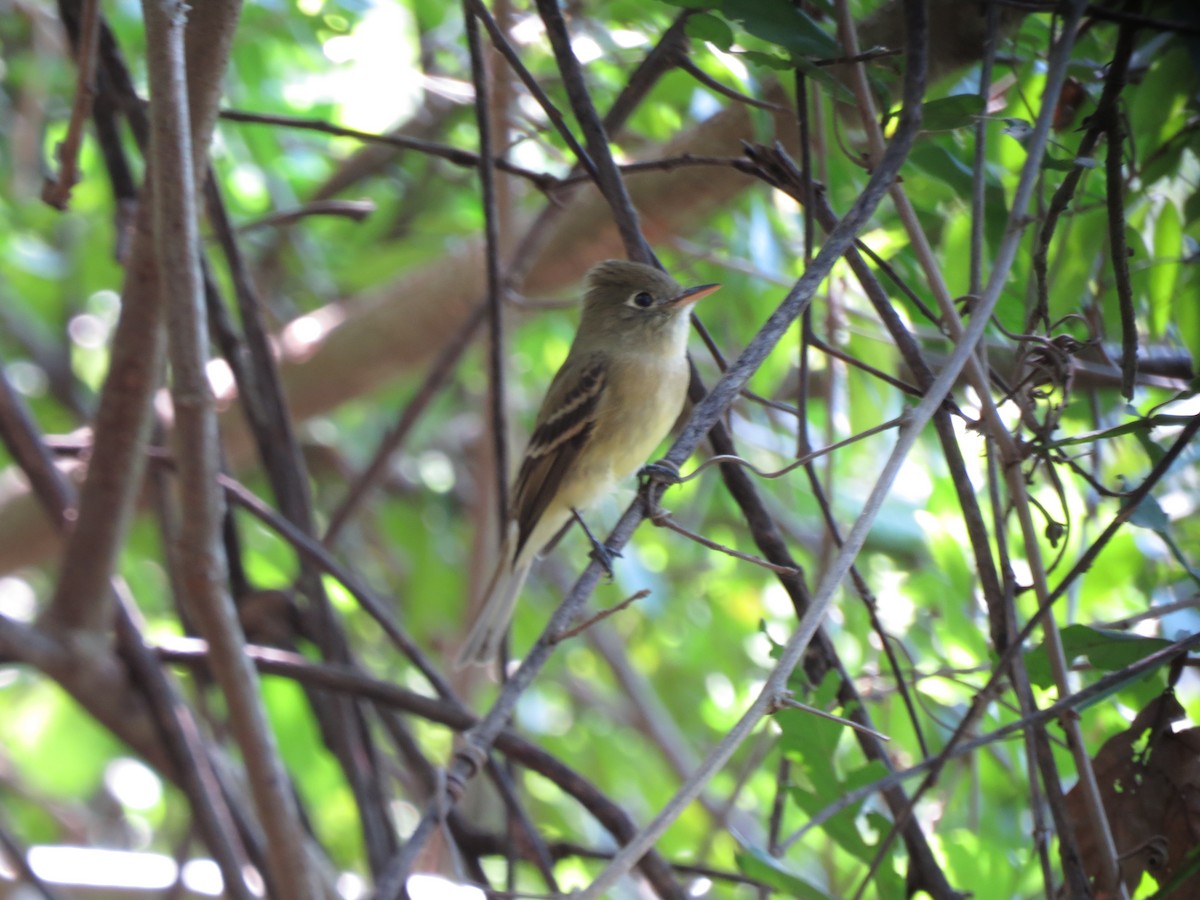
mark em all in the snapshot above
pixel 491 621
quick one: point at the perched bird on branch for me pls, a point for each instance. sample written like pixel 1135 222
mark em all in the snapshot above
pixel 619 391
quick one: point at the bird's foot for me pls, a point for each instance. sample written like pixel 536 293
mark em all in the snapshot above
pixel 604 556
pixel 661 475
pixel 600 552
pixel 661 472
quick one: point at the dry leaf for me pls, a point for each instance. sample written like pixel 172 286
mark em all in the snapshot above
pixel 1149 779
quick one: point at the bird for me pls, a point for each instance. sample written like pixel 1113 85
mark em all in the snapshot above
pixel 613 400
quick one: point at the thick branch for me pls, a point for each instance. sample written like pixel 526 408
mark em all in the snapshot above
pixel 202 564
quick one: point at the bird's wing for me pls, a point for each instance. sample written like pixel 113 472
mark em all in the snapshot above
pixel 567 418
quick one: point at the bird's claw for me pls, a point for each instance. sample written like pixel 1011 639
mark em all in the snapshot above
pixel 662 472
pixel 658 473
pixel 604 556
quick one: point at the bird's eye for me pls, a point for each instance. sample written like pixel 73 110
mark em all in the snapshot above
pixel 641 299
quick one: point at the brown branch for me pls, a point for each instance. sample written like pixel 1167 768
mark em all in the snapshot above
pixel 608 177
pixel 57 192
pixel 1114 82
pixel 257 377
pixel 354 210
pixel 173 175
pixel 724 90
pixel 112 702
pixel 345 679
pixel 958 748
pixel 664 520
pixel 454 155
pixel 495 288
pixel 81 599
pixel 602 615
pixel 1115 197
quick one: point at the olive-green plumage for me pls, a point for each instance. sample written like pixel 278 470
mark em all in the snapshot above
pixel 614 399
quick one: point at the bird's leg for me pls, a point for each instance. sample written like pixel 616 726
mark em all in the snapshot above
pixel 600 553
pixel 660 473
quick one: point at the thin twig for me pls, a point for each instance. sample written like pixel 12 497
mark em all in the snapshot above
pixel 377 468
pixel 665 520
pixel 500 42
pixel 495 289
pixel 608 177
pixel 455 155
pixel 850 360
pixel 978 168
pixel 793 703
pixel 450 713
pixel 600 616
pixel 802 461
pixel 354 210
pixel 20 865
pixel 317 553
pixel 501 778
pixel 724 90
pixel 57 192
pixel 1114 180
pixel 1070 704
pixel 652 717
pixel 1114 81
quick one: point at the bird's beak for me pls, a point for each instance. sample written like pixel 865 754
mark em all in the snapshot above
pixel 692 294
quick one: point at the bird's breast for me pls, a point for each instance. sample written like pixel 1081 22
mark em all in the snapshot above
pixel 643 398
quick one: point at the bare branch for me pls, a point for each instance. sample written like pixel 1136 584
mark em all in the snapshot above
pixel 57 192
pixel 172 173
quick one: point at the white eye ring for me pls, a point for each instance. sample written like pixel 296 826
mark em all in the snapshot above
pixel 642 300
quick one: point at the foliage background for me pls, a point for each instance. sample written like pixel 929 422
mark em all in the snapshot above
pixel 363 308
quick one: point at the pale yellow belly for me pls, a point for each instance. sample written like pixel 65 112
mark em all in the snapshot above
pixel 636 413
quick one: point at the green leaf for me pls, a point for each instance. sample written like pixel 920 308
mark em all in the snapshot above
pixel 813 739
pixel 1165 269
pixel 949 113
pixel 1060 164
pixel 1149 514
pixel 936 160
pixel 1106 650
pixel 781 23
pixel 770 60
pixel 1152 448
pixel 1187 322
pixel 1139 426
pixel 842 828
pixel 707 27
pixel 756 863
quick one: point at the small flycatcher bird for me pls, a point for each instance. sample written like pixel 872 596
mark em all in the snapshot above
pixel 619 391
